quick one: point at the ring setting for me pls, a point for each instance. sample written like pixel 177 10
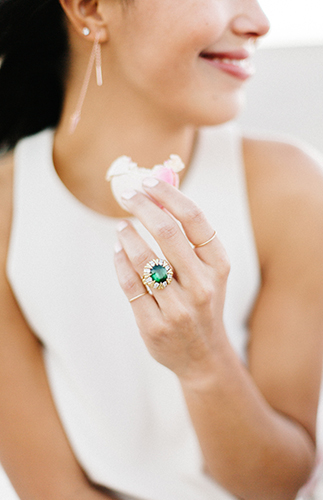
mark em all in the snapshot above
pixel 158 273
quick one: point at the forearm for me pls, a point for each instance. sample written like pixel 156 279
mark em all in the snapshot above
pixel 252 450
pixel 34 449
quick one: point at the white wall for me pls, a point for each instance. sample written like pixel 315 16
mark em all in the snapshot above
pixel 286 94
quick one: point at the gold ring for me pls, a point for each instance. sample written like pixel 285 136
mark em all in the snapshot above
pixel 158 273
pixel 137 296
pixel 206 242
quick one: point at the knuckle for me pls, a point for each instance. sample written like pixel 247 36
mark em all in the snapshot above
pixel 129 284
pixel 204 295
pixel 176 319
pixel 167 230
pixel 140 259
pixel 157 335
pixel 181 315
pixel 223 267
pixel 154 332
pixel 195 215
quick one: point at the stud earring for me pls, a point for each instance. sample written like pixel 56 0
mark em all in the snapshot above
pixel 95 56
pixel 86 31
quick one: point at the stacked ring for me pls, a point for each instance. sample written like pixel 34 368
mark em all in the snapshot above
pixel 158 273
pixel 137 297
pixel 206 242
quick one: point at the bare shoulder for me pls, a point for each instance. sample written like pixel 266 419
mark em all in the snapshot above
pixel 285 184
pixel 6 189
pixel 281 163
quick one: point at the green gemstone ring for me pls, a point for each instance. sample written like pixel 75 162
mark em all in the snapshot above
pixel 158 273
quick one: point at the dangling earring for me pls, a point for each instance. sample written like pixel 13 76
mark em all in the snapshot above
pixel 95 56
pixel 98 64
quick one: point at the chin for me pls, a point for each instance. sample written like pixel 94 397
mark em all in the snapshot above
pixel 222 111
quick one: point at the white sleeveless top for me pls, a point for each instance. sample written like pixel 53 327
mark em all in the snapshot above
pixel 123 413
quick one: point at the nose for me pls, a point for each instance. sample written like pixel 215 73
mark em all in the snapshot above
pixel 250 21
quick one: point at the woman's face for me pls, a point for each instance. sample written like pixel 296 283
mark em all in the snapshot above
pixel 186 59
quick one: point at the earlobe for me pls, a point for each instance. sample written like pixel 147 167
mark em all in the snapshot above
pixel 85 17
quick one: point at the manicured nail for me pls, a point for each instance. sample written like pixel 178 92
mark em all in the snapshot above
pixel 121 225
pixel 127 195
pixel 117 247
pixel 150 182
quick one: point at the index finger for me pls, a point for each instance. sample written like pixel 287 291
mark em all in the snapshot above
pixel 196 226
pixel 167 233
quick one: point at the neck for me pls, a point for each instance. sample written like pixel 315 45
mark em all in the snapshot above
pixel 102 135
pixel 146 143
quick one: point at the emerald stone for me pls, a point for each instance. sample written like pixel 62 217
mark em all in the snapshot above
pixel 158 274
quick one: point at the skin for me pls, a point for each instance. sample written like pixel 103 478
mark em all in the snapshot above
pixel 156 92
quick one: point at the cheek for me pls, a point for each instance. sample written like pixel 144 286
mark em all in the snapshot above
pixel 157 55
pixel 162 42
pixel 165 62
pixel 150 65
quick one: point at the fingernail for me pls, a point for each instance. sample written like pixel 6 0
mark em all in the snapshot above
pixel 150 182
pixel 117 247
pixel 121 225
pixel 127 195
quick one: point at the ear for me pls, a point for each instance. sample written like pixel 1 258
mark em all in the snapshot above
pixel 86 14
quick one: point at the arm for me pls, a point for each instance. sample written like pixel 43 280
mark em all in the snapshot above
pixel 33 447
pixel 274 404
pixel 256 427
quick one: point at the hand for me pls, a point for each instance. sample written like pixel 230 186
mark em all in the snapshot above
pixel 182 324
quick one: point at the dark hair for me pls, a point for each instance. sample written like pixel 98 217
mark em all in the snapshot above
pixel 34 53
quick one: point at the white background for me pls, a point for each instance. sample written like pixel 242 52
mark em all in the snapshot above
pixel 294 22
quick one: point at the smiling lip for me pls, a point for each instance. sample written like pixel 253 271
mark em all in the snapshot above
pixel 237 63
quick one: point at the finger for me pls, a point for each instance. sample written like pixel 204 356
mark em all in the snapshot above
pixel 197 228
pixel 139 254
pixel 144 306
pixel 166 231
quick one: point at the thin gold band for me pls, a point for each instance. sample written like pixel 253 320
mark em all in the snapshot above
pixel 137 296
pixel 206 242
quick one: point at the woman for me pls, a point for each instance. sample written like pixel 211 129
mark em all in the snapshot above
pixel 217 396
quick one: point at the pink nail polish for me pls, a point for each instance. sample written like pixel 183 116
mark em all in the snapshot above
pixel 121 225
pixel 117 247
pixel 127 195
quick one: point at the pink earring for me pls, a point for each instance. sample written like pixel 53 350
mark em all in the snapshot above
pixel 95 56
